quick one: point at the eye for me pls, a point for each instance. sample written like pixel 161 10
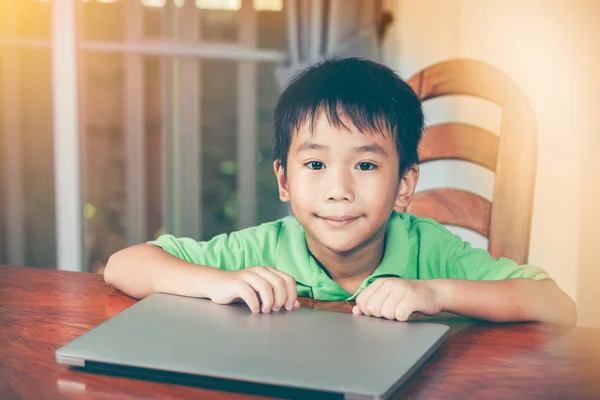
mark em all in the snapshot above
pixel 365 166
pixel 315 165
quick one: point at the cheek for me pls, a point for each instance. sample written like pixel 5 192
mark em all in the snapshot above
pixel 379 189
pixel 303 185
pixel 378 202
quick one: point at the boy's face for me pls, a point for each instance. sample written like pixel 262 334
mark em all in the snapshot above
pixel 343 184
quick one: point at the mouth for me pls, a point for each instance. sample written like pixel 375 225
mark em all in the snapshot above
pixel 338 221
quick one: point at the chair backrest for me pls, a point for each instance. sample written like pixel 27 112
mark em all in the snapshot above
pixel 512 155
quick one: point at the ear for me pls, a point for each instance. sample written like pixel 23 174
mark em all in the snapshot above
pixel 284 194
pixel 406 189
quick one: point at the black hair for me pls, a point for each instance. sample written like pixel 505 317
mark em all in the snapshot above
pixel 371 95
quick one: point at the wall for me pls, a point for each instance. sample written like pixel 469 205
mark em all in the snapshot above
pixel 588 295
pixel 543 45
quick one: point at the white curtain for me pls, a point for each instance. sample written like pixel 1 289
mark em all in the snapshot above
pixel 321 29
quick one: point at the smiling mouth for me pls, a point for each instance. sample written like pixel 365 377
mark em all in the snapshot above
pixel 338 221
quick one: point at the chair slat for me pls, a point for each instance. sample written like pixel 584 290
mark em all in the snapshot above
pixel 461 77
pixel 453 207
pixel 458 141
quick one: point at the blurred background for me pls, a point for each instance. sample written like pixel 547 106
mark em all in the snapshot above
pixel 124 119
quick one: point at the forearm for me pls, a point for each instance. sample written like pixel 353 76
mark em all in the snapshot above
pixel 144 269
pixel 507 300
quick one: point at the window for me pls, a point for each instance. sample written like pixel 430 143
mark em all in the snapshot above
pixel 27 219
pixel 175 103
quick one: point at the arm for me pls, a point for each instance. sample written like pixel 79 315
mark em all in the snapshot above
pixel 499 289
pixel 506 300
pixel 144 269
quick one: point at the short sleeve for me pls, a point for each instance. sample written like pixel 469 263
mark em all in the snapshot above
pixel 465 262
pixel 223 251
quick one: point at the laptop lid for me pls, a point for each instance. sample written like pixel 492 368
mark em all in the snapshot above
pixel 357 356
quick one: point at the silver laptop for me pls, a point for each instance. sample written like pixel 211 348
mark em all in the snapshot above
pixel 303 351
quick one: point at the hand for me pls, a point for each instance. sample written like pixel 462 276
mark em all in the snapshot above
pixel 266 285
pixel 396 298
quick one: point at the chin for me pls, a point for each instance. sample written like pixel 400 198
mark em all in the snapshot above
pixel 339 245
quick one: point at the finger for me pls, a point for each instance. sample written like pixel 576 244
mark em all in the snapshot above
pixel 356 310
pixel 369 290
pixel 248 295
pixel 264 289
pixel 363 298
pixel 291 290
pixel 403 310
pixel 296 304
pixel 277 284
pixel 375 302
pixel 362 304
pixel 388 308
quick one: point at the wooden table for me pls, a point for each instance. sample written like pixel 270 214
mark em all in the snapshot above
pixel 41 310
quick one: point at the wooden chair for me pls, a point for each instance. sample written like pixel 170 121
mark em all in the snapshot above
pixel 512 156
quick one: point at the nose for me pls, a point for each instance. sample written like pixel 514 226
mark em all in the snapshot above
pixel 340 186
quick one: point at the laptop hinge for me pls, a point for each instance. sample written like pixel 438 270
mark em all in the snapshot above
pixel 354 396
pixel 76 362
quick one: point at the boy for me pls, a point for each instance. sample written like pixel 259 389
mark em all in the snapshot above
pixel 346 139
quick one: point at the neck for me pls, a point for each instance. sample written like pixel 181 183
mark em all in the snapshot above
pixel 356 264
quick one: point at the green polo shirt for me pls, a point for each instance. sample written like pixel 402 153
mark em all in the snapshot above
pixel 416 248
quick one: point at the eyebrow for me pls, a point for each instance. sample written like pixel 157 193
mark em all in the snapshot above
pixel 308 145
pixel 369 148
